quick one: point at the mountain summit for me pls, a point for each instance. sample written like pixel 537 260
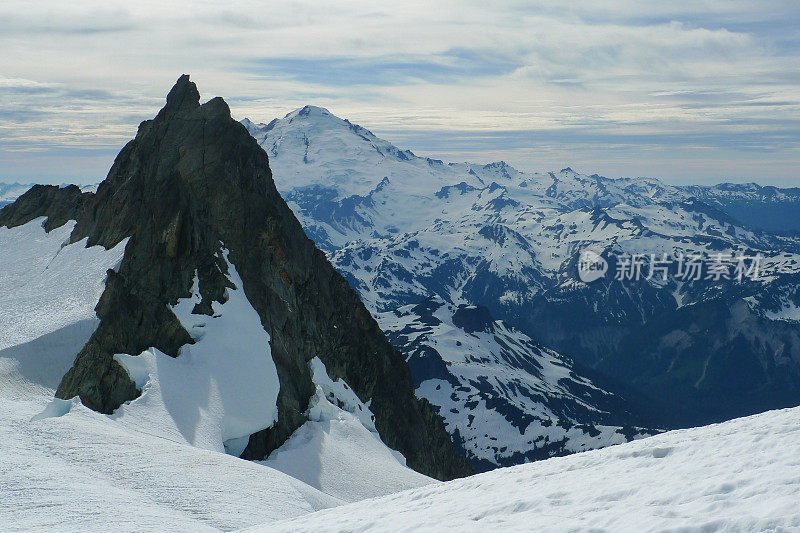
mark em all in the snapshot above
pixel 208 234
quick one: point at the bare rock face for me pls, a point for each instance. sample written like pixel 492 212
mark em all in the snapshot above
pixel 191 182
pixel 57 204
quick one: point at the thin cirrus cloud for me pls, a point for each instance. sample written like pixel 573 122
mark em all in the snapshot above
pixel 697 91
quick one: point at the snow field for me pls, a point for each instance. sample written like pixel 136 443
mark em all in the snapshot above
pixel 741 475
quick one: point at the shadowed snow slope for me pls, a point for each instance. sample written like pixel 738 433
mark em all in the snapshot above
pixel 221 389
pixel 742 475
pixel 339 451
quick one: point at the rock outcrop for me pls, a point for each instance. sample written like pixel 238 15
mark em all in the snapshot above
pixel 191 183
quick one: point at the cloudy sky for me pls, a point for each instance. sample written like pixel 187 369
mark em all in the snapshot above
pixel 687 91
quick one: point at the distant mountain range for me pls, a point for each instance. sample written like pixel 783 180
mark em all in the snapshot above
pixel 405 229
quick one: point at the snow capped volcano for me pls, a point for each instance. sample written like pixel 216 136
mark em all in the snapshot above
pixel 403 228
pixel 362 159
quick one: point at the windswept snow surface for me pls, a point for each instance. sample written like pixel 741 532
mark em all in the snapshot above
pixel 742 475
pixel 64 467
pixel 48 291
pixel 339 450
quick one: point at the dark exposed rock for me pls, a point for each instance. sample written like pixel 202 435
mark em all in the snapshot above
pixel 192 182
pixel 58 204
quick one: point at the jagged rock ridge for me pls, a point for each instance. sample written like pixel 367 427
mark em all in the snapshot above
pixel 192 182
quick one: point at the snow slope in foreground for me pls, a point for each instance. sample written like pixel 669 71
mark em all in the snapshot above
pixel 742 475
pixel 157 463
pixel 82 471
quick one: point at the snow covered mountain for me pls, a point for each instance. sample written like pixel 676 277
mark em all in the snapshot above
pixel 165 326
pixel 181 300
pixel 11 191
pixel 403 228
pixel 504 398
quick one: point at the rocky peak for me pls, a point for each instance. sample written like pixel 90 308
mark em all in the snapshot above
pixel 473 319
pixel 184 95
pixel 191 183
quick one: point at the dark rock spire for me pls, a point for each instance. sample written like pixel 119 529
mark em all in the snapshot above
pixel 192 179
pixel 183 95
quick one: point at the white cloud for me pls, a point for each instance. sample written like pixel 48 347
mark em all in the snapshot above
pixel 82 74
